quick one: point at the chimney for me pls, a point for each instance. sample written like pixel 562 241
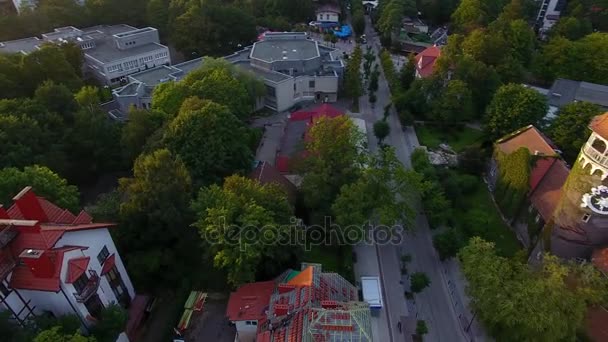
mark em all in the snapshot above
pixel 29 205
pixel 39 262
pixel 284 288
pixel 281 309
pixel 3 213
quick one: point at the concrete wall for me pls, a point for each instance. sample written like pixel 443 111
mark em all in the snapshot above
pixel 132 64
pixel 328 17
pixel 130 39
pixel 245 332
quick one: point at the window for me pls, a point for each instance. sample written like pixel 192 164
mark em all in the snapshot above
pixel 4 290
pixel 270 91
pixel 251 323
pixel 103 255
pixel 294 87
pixel 81 283
pixel 586 217
pixel 112 274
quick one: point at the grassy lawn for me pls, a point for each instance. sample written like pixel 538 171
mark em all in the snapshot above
pixel 333 259
pixel 432 136
pixel 494 229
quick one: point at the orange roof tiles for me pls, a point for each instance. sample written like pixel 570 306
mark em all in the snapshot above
pixel 304 278
pixel 600 259
pixel 547 194
pixel 528 137
pixel 599 125
pixel 249 301
pixel 425 61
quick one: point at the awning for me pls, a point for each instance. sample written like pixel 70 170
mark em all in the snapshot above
pixel 76 267
pixel 108 264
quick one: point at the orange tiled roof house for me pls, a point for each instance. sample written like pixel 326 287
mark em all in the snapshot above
pixel 564 210
pixel 55 262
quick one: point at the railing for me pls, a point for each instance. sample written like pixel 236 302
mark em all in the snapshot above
pixel 90 289
pixel 595 155
pixel 7 263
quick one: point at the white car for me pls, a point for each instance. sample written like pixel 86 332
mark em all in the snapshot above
pixel 313 23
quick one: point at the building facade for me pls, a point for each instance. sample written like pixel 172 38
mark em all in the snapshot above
pixel 111 53
pixel 293 68
pixel 54 262
pixel 328 14
pixel 548 14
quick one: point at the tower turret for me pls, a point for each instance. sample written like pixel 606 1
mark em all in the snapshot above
pixel 581 217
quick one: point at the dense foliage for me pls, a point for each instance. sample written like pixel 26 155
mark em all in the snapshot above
pixel 544 304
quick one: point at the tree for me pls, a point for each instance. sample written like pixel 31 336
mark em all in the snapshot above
pixel 469 15
pixel 43 181
pixel 514 106
pixel 384 194
pixel 419 281
pixel 455 104
pixel 352 77
pixel 547 303
pixel 572 28
pixel 359 22
pixel 381 130
pixel 56 334
pixel 48 63
pixel 447 243
pixel 157 14
pixel 421 328
pixel 88 97
pixel 211 141
pixel 155 215
pixel 141 130
pixel 56 98
pixel 333 160
pixel 93 144
pixel 112 322
pixel 407 75
pixel 569 129
pixel 246 226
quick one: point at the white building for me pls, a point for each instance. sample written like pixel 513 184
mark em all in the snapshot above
pixel 293 67
pixel 55 262
pixel 110 52
pixel 328 14
pixel 548 14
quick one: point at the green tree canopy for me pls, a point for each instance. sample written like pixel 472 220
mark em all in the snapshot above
pixel 159 247
pixel 569 130
pixel 56 334
pixel 43 181
pixel 455 104
pixel 211 141
pixel 548 304
pixel 141 131
pixel 56 98
pixel 113 320
pixel 334 159
pixel 245 225
pixel 381 129
pixel 514 106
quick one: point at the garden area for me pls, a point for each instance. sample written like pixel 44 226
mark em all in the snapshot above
pixel 337 259
pixel 459 139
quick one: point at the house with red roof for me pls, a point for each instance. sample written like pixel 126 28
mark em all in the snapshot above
pixel 55 262
pixel 569 204
pixel 295 134
pixel 305 305
pixel 426 61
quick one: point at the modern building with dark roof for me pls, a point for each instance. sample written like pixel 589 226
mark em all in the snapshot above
pixel 305 305
pixel 570 206
pixel 566 91
pixel 293 67
pixel 111 53
pixel 52 260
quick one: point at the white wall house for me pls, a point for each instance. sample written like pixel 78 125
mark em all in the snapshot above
pixel 54 262
pixel 328 14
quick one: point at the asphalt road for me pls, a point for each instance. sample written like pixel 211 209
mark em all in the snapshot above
pixel 434 304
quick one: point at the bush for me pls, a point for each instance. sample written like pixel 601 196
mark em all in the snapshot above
pixel 471 160
pixel 419 281
pixel 406 118
pixel 421 328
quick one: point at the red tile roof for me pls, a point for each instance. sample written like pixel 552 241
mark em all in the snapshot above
pixel 76 267
pixel 547 194
pixel 528 137
pixel 40 224
pixel 595 324
pixel 250 301
pixel 268 174
pixel 599 125
pixel 539 170
pixel 600 259
pixel 426 60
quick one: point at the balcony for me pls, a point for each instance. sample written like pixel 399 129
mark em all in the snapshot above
pixel 596 156
pixel 90 288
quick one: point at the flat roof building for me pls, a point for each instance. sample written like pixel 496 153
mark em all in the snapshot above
pixel 110 52
pixel 293 67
